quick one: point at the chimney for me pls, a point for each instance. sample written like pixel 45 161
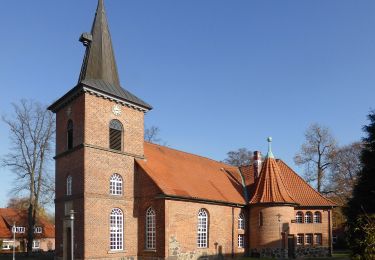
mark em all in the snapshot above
pixel 257 162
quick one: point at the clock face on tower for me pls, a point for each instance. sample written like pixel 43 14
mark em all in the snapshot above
pixel 116 109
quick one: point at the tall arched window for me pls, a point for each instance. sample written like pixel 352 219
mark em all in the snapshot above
pixel 115 135
pixel 69 181
pixel 116 230
pixel 69 135
pixel 299 217
pixel 202 240
pixel 317 217
pixel 150 229
pixel 260 218
pixel 308 217
pixel 115 184
pixel 241 221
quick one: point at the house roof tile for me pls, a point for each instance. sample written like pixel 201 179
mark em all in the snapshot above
pixel 8 216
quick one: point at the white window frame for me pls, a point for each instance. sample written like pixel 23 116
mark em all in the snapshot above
pixel 300 239
pixel 318 241
pixel 202 236
pixel 69 181
pixel 116 230
pixel 317 217
pixel 308 217
pixel 116 184
pixel 38 230
pixel 309 239
pixel 18 230
pixel 299 217
pixel 241 221
pixel 36 244
pixel 150 229
pixel 241 241
pixel 7 244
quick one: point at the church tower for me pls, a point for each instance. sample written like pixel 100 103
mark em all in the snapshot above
pixel 99 134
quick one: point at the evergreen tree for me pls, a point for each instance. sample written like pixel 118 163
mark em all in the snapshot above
pixel 360 210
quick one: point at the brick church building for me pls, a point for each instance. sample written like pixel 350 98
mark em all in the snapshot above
pixel 137 200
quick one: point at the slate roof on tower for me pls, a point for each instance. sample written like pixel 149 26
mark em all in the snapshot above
pixel 99 70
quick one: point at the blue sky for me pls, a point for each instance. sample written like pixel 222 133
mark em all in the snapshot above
pixel 220 74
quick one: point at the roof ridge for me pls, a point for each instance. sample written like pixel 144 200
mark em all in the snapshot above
pixel 196 155
pixel 279 160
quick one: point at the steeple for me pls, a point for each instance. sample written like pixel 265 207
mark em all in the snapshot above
pixel 270 188
pixel 99 62
pixel 99 71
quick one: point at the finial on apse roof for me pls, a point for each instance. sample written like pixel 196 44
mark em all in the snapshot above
pixel 269 154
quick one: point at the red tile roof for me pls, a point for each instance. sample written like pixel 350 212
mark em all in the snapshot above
pixel 187 175
pixel 270 187
pixel 8 216
pixel 301 192
pixel 182 174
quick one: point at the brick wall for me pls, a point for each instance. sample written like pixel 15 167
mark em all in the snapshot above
pixel 91 163
pixel 181 234
pixel 313 228
pixel 269 234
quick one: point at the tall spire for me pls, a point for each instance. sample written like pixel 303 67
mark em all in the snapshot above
pixel 99 71
pixel 99 62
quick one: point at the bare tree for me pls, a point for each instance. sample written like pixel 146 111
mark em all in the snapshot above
pixel 344 170
pixel 316 154
pixel 152 135
pixel 32 128
pixel 240 157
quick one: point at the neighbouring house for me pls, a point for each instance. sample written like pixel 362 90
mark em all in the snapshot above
pixel 44 231
pixel 137 200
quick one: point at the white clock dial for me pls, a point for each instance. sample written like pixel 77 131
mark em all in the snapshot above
pixel 116 109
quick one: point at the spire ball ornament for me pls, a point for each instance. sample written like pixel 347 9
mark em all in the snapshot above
pixel 270 154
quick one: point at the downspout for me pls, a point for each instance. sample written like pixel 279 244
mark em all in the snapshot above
pixel 329 233
pixel 232 232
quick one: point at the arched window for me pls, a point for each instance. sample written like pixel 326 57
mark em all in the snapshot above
pixel 150 229
pixel 69 135
pixel 317 217
pixel 69 181
pixel 299 217
pixel 308 217
pixel 115 184
pixel 202 228
pixel 260 218
pixel 241 221
pixel 115 135
pixel 116 230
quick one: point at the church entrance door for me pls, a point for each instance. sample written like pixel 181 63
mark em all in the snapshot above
pixel 290 246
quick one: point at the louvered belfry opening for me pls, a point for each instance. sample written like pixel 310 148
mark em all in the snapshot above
pixel 115 135
pixel 70 135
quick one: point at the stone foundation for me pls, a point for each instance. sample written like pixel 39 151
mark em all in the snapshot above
pixel 300 252
pixel 309 251
pixel 270 252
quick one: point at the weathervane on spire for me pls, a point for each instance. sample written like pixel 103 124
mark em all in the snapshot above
pixel 270 154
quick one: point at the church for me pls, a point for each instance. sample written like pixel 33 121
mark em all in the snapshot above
pixel 137 200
